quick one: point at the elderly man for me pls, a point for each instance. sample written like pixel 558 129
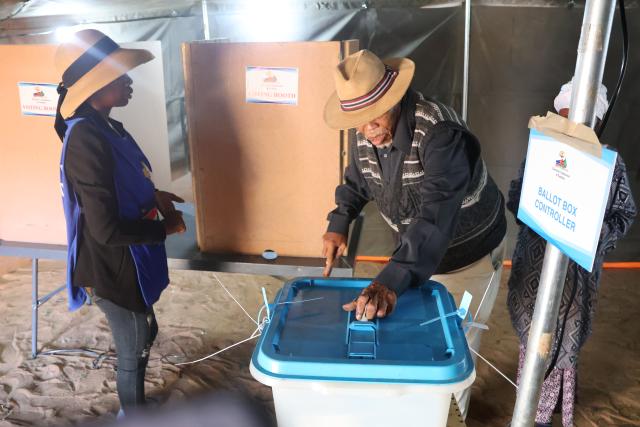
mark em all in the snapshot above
pixel 416 158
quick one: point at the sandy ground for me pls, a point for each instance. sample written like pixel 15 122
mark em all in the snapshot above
pixel 9 264
pixel 197 317
pixel 609 367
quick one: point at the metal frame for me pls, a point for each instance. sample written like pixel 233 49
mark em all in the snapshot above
pixel 182 254
pixel 465 72
pixel 205 20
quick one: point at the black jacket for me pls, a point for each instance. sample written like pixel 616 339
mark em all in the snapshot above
pixel 441 236
pixel 104 262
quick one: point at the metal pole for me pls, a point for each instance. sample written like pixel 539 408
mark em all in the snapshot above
pixel 592 53
pixel 34 308
pixel 543 324
pixel 467 40
pixel 205 20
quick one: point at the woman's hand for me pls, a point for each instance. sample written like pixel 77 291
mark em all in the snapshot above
pixel 164 201
pixel 173 223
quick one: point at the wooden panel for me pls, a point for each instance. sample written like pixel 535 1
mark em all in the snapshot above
pixel 264 175
pixel 31 208
pixel 348 47
pixel 347 136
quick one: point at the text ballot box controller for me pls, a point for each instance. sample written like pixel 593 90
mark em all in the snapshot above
pixel 328 369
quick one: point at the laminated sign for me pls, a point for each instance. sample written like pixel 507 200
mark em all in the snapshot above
pixel 272 85
pixel 566 186
pixel 38 99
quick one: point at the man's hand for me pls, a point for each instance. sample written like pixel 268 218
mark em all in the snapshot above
pixel 376 300
pixel 173 223
pixel 334 245
pixel 164 201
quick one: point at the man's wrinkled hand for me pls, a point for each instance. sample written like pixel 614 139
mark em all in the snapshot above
pixel 333 247
pixel 164 201
pixel 376 300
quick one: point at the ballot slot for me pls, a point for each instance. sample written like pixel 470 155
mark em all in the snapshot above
pixel 361 338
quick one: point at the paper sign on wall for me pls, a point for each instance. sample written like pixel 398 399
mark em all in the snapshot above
pixel 564 195
pixel 271 85
pixel 38 99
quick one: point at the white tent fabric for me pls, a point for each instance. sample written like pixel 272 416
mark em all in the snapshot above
pixel 521 53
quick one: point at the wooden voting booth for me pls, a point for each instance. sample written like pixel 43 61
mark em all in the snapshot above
pixel 31 208
pixel 265 165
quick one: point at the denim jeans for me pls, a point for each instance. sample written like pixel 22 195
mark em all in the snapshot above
pixel 133 334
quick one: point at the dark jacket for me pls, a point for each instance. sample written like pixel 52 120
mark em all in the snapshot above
pixel 431 186
pixel 104 260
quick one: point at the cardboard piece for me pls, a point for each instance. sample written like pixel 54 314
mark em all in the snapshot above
pixel 577 135
pixel 264 175
pixel 145 117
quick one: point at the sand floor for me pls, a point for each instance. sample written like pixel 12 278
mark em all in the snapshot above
pixel 197 317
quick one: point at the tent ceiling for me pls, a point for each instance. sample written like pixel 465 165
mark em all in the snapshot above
pixel 152 8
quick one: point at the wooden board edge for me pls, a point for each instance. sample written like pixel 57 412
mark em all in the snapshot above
pixel 193 141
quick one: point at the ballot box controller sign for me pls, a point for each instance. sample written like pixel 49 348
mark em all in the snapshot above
pixel 564 195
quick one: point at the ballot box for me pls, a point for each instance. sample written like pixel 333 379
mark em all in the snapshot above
pixel 328 369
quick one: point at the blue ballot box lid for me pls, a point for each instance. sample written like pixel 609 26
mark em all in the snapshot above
pixel 311 337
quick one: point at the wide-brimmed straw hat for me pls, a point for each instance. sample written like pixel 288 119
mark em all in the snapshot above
pixel 89 62
pixel 366 88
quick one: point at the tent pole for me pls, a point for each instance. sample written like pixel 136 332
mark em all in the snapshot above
pixel 205 20
pixel 465 77
pixel 592 53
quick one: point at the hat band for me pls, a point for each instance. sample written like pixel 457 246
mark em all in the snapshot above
pixel 89 59
pixel 374 95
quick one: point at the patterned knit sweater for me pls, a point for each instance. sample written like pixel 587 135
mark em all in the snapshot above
pixel 481 221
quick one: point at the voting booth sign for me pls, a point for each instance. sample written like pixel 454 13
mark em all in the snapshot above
pixel 564 194
pixel 272 85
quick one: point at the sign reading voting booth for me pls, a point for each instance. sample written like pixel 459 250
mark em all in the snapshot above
pixel 564 195
pixel 38 99
pixel 272 85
